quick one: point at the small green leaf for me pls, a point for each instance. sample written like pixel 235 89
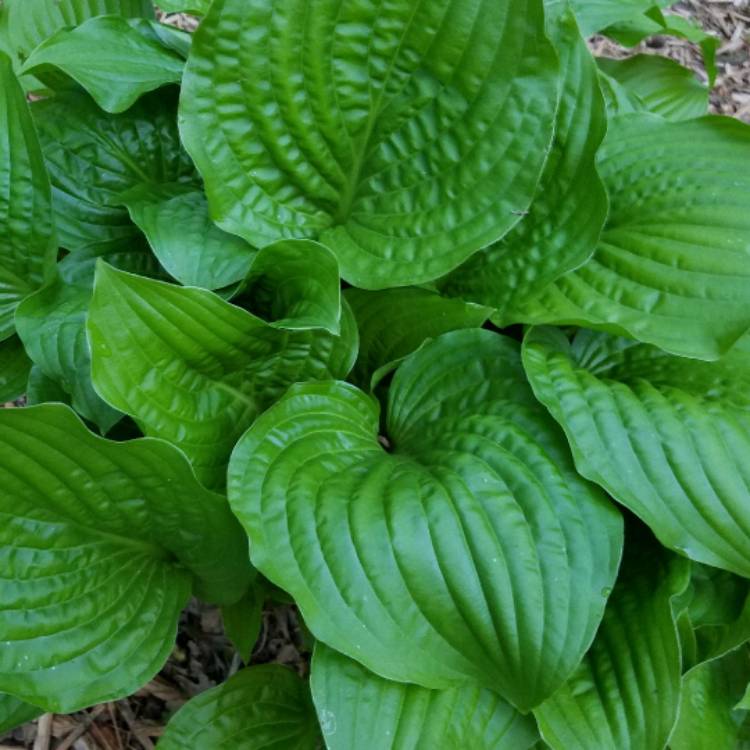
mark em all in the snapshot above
pixel 14 712
pixel 395 322
pixel 242 620
pixel 471 551
pixel 709 715
pixel 664 86
pixel 566 218
pixel 404 136
pixel 27 237
pixel 258 708
pixel 110 58
pixel 101 544
pixel 93 157
pixel 192 249
pixel 626 693
pixel 52 325
pixel 358 709
pixel 15 366
pixel 184 6
pixel 666 436
pixel 196 370
pixel 597 15
pixel 673 265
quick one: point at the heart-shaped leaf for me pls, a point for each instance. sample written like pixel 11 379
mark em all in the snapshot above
pixel 673 265
pixel 566 218
pixel 93 157
pixel 14 369
pixel 27 237
pixel 101 544
pixel 258 708
pixel 626 693
pixel 110 58
pixel 196 370
pixel 358 709
pixel 665 436
pixel 471 551
pixel 404 136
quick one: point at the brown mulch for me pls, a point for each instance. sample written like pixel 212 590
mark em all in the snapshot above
pixel 203 656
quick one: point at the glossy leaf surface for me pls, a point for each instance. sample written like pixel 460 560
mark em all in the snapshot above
pixel 262 707
pixel 196 370
pixel 665 436
pixel 101 544
pixel 110 58
pixel 405 137
pixel 673 265
pixel 14 369
pixel 470 551
pixel 356 708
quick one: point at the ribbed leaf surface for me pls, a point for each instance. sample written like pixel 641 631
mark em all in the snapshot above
pixel 471 551
pixel 673 265
pixel 27 238
pixel 258 708
pixel 405 136
pixel 666 436
pixel 110 58
pixel 356 708
pixel 100 546
pixel 14 369
pixel 625 695
pixel 196 370
pixel 566 218
pixel 93 156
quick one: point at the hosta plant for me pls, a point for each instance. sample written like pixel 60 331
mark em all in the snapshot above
pixel 414 315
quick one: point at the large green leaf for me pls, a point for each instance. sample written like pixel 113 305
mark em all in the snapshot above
pixel 626 693
pixel 664 86
pixel 395 322
pixel 258 708
pixel 94 156
pixel 52 325
pixel 666 436
pixel 110 58
pixel 101 544
pixel 27 237
pixel 471 551
pixel 358 709
pixel 14 369
pixel 404 136
pixel 673 265
pixel 196 370
pixel 193 250
pixel 13 712
pixel 708 717
pixel 566 218
pixel 597 15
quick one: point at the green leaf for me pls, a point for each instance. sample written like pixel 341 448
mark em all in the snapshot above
pixel 27 23
pixel 196 370
pixel 673 265
pixel 619 100
pixel 405 137
pixel 41 390
pixel 471 551
pixel 262 707
pixel 13 713
pixel 110 58
pixel 626 692
pixel 27 237
pixel 101 544
pixel 192 249
pixel 93 156
pixel 395 322
pixel 358 709
pixel 52 326
pixel 708 718
pixel 167 35
pixel 15 366
pixel 664 86
pixel 242 620
pixel 596 15
pixel 185 6
pixel 666 436
pixel 566 218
